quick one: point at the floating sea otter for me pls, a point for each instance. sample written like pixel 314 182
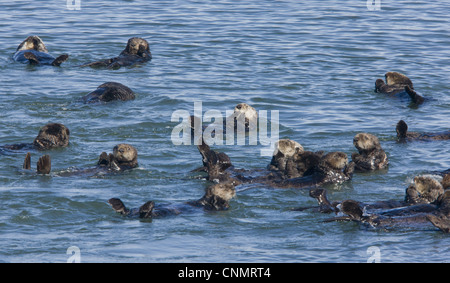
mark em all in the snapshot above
pixel 397 83
pixel 33 51
pixel 216 198
pixel 137 51
pixel 124 157
pixel 370 155
pixel 109 91
pixel 404 135
pixel 424 201
pixel 50 136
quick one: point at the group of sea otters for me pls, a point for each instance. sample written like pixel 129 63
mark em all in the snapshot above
pixel 427 200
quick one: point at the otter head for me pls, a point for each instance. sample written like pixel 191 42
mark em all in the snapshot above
pixel 287 148
pixel 335 160
pixel 32 43
pixel 429 189
pixel 247 112
pixel 217 196
pixel 365 142
pixel 125 154
pixel 52 135
pixel 402 129
pixel 138 46
pixel 395 78
pixel 284 150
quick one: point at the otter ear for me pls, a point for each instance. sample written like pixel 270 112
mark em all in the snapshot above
pixel 44 165
pixel 145 211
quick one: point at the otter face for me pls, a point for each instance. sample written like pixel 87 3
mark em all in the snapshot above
pixel 52 135
pixel 426 184
pixel 224 191
pixel 287 147
pixel 336 160
pixel 429 188
pixel 247 113
pixel 138 46
pixel 366 142
pixel 32 43
pixel 395 78
pixel 124 153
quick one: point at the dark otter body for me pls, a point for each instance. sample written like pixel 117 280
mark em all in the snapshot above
pixel 370 155
pixel 398 84
pixel 52 135
pixel 404 135
pixel 124 157
pixel 215 198
pixel 109 91
pixel 137 51
pixel 33 51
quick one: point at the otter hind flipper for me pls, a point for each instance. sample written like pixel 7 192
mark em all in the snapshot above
pixel 27 162
pixel 439 222
pixel 416 98
pixel 44 165
pixel 57 62
pixel 31 58
pixel 145 211
pixel 118 206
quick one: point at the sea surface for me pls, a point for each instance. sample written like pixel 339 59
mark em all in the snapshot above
pixel 312 62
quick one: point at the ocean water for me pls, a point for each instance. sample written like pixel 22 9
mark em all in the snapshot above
pixel 315 62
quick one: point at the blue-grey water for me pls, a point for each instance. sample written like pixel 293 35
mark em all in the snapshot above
pixel 313 61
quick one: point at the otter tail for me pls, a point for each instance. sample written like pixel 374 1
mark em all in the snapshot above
pixel 57 62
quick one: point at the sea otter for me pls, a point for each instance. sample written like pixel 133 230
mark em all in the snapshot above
pixel 415 215
pixel 397 83
pixel 124 157
pixel 370 155
pixel 332 167
pixel 290 160
pixel 137 51
pixel 52 135
pixel 216 198
pixel 404 135
pixel 109 91
pixel 425 201
pixel 33 51
pixel 424 190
